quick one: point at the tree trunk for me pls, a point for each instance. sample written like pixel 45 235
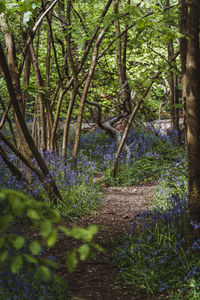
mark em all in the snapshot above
pixel 173 82
pixel 121 62
pixel 52 187
pixel 47 81
pixel 191 92
pixel 75 80
pixel 8 120
pixel 128 125
pixel 183 19
pixel 39 83
pixel 67 120
pixel 14 74
pixel 85 91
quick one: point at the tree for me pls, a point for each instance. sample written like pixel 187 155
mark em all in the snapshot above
pixel 190 51
pixel 27 147
pixel 173 84
pixel 67 55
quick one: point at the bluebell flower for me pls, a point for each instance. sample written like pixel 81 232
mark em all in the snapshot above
pixel 163 286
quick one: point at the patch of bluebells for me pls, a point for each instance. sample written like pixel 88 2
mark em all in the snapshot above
pixel 194 272
pixel 163 286
pixel 23 285
pixel 156 255
pixel 64 172
pixel 20 286
pixel 97 153
pixel 75 184
pixel 101 147
pixel 195 225
pixel 7 180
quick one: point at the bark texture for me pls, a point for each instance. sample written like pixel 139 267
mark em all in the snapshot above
pixel 191 92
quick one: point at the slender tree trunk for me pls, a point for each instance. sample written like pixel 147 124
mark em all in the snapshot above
pixel 39 83
pixel 128 125
pixel 75 80
pixel 47 82
pixel 183 20
pixel 176 104
pixel 174 110
pixel 15 171
pixel 191 92
pixel 6 109
pixel 27 69
pixel 67 120
pixel 118 47
pixel 121 62
pixel 127 90
pixel 85 91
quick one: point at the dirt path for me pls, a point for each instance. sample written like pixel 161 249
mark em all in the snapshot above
pixel 95 279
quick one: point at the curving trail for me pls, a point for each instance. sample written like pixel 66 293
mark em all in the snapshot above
pixel 95 278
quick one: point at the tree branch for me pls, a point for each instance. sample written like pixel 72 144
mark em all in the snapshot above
pixel 33 31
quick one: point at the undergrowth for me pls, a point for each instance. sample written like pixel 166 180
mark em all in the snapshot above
pixel 155 257
pixel 23 286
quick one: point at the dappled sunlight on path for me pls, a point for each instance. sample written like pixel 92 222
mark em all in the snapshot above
pixel 95 279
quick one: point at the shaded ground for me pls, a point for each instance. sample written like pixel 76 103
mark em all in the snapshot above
pixel 96 279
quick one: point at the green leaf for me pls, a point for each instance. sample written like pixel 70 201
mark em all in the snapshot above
pixel 52 238
pixel 35 248
pixel 43 273
pixel 134 10
pixel 17 205
pixel 93 229
pixel 25 5
pixel 31 259
pixel 97 247
pixel 51 263
pixel 16 264
pixel 36 4
pixel 2 6
pixel 71 261
pixel 59 280
pixel 5 222
pixel 80 233
pixel 32 214
pixel 54 215
pixel 11 6
pixel 83 233
pixel 45 228
pixel 27 17
pixel 18 243
pixel 84 251
pixel 3 255
pixel 65 230
pixel 141 23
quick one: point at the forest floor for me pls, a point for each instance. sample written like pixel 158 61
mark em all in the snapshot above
pixel 95 279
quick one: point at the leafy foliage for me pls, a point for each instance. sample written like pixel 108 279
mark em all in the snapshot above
pixel 20 255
